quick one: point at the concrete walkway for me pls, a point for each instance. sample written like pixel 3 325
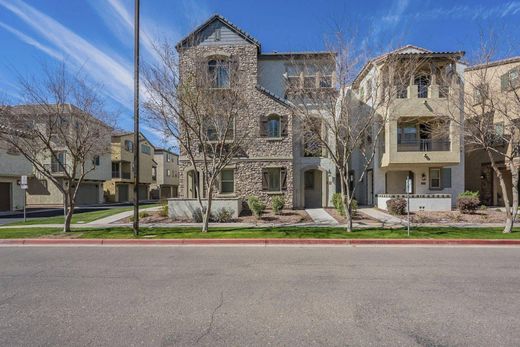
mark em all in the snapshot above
pixel 385 218
pixel 122 215
pixel 320 216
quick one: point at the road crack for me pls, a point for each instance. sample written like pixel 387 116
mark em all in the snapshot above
pixel 212 318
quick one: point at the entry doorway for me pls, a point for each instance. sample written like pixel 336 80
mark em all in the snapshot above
pixel 313 189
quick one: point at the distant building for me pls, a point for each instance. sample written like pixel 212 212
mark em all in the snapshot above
pixel 165 178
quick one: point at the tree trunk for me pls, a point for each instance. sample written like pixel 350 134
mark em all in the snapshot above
pixel 207 213
pixel 509 218
pixel 344 199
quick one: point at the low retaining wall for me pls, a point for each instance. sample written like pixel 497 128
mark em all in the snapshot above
pixel 419 202
pixel 180 208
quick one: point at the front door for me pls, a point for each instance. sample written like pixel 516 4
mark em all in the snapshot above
pixel 313 188
pixel 5 196
pixel 122 193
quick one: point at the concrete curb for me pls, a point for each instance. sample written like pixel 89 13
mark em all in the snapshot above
pixel 260 242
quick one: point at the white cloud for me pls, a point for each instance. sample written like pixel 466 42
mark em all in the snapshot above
pixel 100 66
pixel 30 41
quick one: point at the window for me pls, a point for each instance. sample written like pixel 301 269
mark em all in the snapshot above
pixel 499 129
pixel 362 93
pixel 217 34
pixel 218 71
pixel 115 170
pixel 435 178
pixel 217 124
pixel 480 93
pixel 444 91
pixel 58 162
pixel 154 173
pixel 406 133
pixel 401 90
pixel 146 149
pixel 227 181
pixel 446 177
pixel 168 157
pixel 510 80
pixel 274 179
pixel 129 145
pixel 422 83
pixel 96 160
pixel 309 179
pixel 168 172
pixel 273 126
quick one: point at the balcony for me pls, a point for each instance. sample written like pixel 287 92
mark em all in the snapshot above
pixel 424 145
pixel 56 168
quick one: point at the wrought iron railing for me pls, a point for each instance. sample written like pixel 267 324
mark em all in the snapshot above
pixel 423 145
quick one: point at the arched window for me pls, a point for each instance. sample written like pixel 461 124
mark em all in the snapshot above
pixel 422 82
pixel 274 126
pixel 218 71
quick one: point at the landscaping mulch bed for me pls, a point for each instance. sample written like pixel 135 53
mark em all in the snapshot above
pixel 285 217
pixel 357 218
pixel 479 217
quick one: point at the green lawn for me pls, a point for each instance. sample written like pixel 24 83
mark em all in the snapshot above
pixel 84 217
pixel 282 232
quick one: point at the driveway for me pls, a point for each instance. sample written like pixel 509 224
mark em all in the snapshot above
pixel 221 296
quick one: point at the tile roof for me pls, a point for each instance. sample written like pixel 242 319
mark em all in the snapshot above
pixel 494 63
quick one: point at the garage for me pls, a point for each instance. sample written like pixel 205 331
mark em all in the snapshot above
pixel 5 196
pixel 88 194
pixel 143 192
pixel 122 192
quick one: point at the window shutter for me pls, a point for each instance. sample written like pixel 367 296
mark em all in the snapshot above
pixel 446 177
pixel 283 178
pixel 284 124
pixel 504 82
pixel 263 126
pixel 265 180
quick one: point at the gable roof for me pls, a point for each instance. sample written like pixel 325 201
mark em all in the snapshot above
pixel 494 63
pixel 408 50
pixel 231 26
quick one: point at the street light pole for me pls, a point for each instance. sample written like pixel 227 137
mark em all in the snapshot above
pixel 137 146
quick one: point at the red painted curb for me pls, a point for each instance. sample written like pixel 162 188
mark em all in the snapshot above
pixel 432 242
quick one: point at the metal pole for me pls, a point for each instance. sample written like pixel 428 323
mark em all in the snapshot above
pixel 136 120
pixel 408 208
pixel 24 205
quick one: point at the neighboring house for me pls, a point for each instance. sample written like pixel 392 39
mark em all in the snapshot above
pixel 120 188
pixel 42 191
pixel 165 177
pixel 275 162
pixel 410 145
pixel 500 79
pixel 12 166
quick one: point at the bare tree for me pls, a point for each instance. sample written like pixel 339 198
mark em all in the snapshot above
pixel 60 130
pixel 491 104
pixel 201 113
pixel 341 119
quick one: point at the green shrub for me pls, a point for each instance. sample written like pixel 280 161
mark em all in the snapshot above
pixel 163 212
pixel 337 202
pixel 277 204
pixel 468 202
pixel 223 215
pixel 196 215
pixel 396 206
pixel 144 214
pixel 256 206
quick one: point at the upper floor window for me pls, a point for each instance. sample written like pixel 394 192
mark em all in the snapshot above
pixel 369 90
pixel 129 145
pixel 218 71
pixel 96 160
pixel 510 80
pixel 422 82
pixel 401 90
pixel 499 129
pixel 58 162
pixel 480 93
pixel 220 128
pixel 274 126
pixel 154 173
pixel 146 149
pixel 168 172
pixel 217 34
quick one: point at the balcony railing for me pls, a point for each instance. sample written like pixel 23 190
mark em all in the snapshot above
pixel 423 145
pixel 56 167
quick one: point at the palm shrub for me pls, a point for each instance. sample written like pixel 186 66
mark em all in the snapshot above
pixel 468 202
pixel 223 215
pixel 396 206
pixel 277 204
pixel 256 206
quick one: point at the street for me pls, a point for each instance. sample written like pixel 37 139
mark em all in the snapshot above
pixel 161 296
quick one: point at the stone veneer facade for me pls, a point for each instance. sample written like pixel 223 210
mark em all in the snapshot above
pixel 261 152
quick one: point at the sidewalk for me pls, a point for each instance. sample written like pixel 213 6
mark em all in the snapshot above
pixel 320 216
pixel 119 216
pixel 386 219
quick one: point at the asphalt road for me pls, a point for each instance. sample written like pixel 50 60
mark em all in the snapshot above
pixel 234 296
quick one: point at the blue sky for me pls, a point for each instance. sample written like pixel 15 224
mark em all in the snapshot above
pixel 97 34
